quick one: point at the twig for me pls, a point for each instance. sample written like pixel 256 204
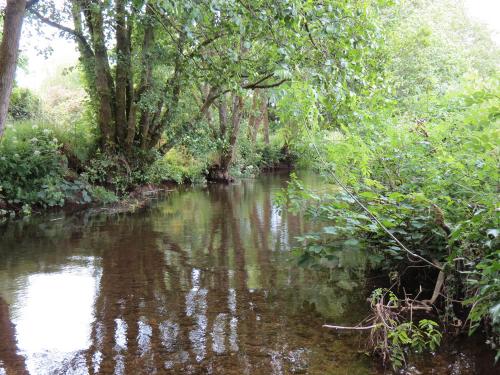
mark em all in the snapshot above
pixel 347 328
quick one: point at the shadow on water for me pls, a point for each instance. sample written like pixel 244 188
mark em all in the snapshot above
pixel 200 283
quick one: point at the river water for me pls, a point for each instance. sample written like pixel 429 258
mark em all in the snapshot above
pixel 203 281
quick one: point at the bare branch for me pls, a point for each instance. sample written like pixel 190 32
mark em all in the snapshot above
pixel 354 328
pixel 268 86
pixel 29 4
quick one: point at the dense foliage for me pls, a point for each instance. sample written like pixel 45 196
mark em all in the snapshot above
pixel 423 159
pixel 24 105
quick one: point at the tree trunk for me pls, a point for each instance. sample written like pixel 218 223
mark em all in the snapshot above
pixel 122 72
pixel 145 115
pixel 265 118
pixel 172 91
pixel 220 172
pixel 104 81
pixel 237 112
pixel 255 117
pixel 9 50
pixel 86 52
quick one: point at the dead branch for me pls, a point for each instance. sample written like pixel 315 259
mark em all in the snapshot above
pixel 348 328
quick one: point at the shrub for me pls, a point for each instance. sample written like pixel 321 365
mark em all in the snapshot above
pixel 433 183
pixel 102 195
pixel 178 166
pixel 34 171
pixel 31 167
pixel 78 139
pixel 110 171
pixel 24 104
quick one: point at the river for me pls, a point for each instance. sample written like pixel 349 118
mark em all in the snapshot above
pixel 202 281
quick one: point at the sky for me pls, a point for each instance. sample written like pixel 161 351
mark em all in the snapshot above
pixel 65 54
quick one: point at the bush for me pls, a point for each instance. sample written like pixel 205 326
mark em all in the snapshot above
pixel 24 104
pixel 433 184
pixel 33 170
pixel 78 141
pixel 252 158
pixel 102 195
pixel 271 155
pixel 31 167
pixel 110 171
pixel 178 166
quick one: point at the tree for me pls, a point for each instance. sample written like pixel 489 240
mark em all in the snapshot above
pixel 136 95
pixel 430 47
pixel 145 59
pixel 9 50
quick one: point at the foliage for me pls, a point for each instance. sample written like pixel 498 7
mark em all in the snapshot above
pixel 407 335
pixel 33 169
pixel 188 55
pixel 393 339
pixel 77 138
pixel 484 284
pixel 177 166
pixel 430 46
pixel 102 195
pixel 419 179
pixel 65 102
pixel 297 110
pixel 110 171
pixel 255 158
pixel 421 154
pixel 24 104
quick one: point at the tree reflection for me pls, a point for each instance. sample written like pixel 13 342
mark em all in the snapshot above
pixel 164 307
pixel 197 285
pixel 10 361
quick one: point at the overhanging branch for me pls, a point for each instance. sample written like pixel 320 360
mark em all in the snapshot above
pixel 249 86
pixel 267 86
pixel 65 29
pixel 29 4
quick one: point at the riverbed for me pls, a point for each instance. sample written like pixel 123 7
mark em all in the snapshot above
pixel 202 281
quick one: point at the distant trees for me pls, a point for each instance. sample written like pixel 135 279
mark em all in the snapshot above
pixel 430 47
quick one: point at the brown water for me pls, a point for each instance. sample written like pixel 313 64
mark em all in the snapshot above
pixel 201 282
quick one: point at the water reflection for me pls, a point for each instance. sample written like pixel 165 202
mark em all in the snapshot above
pixel 50 309
pixel 201 283
pixel 10 360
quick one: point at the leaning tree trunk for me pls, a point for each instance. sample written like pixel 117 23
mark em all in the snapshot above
pixel 13 23
pixel 229 131
pixel 255 118
pixel 229 154
pixel 265 118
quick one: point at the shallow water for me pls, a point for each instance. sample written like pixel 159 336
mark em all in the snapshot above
pixel 201 282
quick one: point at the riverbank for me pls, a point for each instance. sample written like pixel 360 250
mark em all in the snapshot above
pixel 41 169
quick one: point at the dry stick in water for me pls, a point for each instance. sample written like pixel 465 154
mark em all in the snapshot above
pixel 355 328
